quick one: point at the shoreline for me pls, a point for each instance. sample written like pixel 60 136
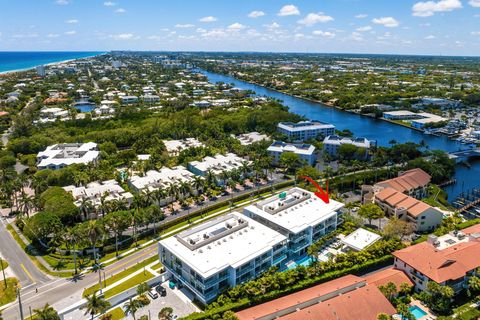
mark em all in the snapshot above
pixel 8 72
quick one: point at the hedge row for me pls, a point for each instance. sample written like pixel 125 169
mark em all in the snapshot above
pixel 307 283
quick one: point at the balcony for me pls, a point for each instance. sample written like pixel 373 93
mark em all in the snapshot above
pixel 279 259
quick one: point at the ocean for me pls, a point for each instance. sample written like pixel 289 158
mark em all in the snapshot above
pixel 10 60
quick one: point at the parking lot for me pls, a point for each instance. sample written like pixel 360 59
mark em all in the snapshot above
pixel 178 300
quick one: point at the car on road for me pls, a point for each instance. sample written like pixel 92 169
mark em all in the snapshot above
pixel 153 294
pixel 161 290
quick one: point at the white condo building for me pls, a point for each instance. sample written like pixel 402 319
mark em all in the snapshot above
pixel 175 146
pixel 305 130
pixel 154 179
pixel 217 165
pixel 331 144
pixel 305 151
pixel 61 155
pixel 299 215
pixel 221 253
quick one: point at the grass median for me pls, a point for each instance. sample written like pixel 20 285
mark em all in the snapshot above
pixel 119 276
pixel 127 284
pixel 8 294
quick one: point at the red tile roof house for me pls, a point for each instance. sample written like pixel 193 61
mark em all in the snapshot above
pixel 447 260
pixel 395 203
pixel 412 182
pixel 346 298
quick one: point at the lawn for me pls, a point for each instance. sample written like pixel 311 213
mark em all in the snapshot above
pixel 4 264
pixel 130 283
pixel 120 275
pixel 116 313
pixel 9 294
pixel 156 266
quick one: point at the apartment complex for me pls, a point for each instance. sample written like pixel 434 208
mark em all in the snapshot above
pixel 397 204
pixel 221 253
pixel 305 151
pixel 175 146
pixel 299 215
pixel 61 155
pixel 331 145
pixel 218 164
pixel 412 182
pixel 235 248
pixel 251 137
pixel 305 130
pixel 447 260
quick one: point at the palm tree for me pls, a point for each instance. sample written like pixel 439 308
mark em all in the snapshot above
pixel 132 306
pixel 117 223
pixel 96 304
pixel 172 191
pixel 46 313
pixel 86 207
pixel 98 267
pixel 94 231
pixel 198 184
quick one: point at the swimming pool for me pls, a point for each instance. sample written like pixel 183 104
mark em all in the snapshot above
pixel 417 312
pixel 84 107
pixel 303 261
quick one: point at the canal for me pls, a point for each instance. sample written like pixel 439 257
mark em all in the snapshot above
pixel 373 129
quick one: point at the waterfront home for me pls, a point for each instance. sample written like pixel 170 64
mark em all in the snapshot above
pixel 447 260
pixel 305 151
pixel 61 155
pixel 299 215
pixel 331 145
pixel 305 130
pixel 412 182
pixel 397 204
pixel 220 254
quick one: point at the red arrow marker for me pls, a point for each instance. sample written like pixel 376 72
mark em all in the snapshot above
pixel 322 194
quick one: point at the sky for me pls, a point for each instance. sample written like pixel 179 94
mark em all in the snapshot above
pixel 434 27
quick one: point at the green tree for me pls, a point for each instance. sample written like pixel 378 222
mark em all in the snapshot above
pixel 165 313
pixel 229 315
pixel 290 160
pixel 96 304
pixel 371 211
pixel 397 228
pixel 474 284
pixel 142 288
pixel 46 313
pixel 406 314
pixel 384 316
pixel 438 297
pixel 132 306
pixel 117 222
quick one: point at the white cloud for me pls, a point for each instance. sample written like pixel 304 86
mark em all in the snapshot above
pixel 364 29
pixel 475 33
pixel 314 18
pixel 22 36
pixel 429 8
pixel 388 22
pixel 325 34
pixel 120 10
pixel 71 21
pixel 62 2
pixel 361 16
pixel 288 10
pixel 123 36
pixel 271 26
pixel 109 4
pixel 430 37
pixel 215 33
pixel 256 14
pixel 236 26
pixel 474 3
pixel 357 36
pixel 188 25
pixel 208 19
pixel 155 37
pixel 200 30
pixel 53 35
pixel 71 33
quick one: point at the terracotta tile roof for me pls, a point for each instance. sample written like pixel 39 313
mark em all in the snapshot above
pixel 363 303
pixel 442 265
pixel 382 277
pixel 398 200
pixel 472 229
pixel 407 181
pixel 300 297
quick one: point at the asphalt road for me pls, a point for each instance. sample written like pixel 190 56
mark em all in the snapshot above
pixel 27 273
pixel 67 290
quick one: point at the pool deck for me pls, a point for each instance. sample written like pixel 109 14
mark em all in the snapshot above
pixel 429 316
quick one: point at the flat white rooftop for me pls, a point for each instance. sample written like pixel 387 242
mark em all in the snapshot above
pixel 160 179
pixel 360 239
pixel 219 163
pixel 295 209
pixel 304 125
pixel 179 145
pixel 300 148
pixel 227 241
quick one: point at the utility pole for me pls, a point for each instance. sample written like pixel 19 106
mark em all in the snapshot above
pixel 20 304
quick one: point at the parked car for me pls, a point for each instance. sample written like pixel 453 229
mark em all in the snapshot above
pixel 161 290
pixel 153 294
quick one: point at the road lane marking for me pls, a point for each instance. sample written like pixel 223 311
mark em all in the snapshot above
pixel 126 262
pixel 28 273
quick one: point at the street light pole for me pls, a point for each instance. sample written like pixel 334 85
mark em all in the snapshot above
pixel 3 272
pixel 20 304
